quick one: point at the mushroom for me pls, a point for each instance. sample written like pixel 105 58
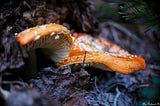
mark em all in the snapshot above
pixel 99 53
pixel 54 40
pixel 64 49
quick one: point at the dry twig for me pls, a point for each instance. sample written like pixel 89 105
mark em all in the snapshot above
pixel 153 66
pixel 123 29
pixel 115 35
pixel 116 98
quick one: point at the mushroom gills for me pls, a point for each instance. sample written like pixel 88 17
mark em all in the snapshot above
pixel 56 50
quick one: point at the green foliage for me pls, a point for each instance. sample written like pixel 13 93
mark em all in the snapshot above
pixel 141 11
pixel 150 94
pixel 102 10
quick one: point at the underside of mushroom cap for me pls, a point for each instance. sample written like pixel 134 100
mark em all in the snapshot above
pixel 99 53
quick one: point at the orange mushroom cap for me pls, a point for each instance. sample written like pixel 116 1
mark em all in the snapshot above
pixel 32 34
pixel 54 40
pixel 97 52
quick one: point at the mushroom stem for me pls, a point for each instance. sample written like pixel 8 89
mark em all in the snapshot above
pixel 31 67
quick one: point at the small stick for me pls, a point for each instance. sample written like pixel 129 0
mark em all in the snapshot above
pixel 96 84
pixel 155 67
pixel 84 58
pixel 115 35
pixel 116 98
pixel 4 93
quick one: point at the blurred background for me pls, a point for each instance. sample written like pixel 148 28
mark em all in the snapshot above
pixel 134 25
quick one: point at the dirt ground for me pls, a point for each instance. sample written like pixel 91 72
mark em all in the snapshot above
pixel 82 86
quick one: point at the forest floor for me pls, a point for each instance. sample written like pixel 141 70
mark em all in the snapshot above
pixel 83 86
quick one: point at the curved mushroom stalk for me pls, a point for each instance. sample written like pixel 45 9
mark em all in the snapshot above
pixel 99 53
pixel 54 40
